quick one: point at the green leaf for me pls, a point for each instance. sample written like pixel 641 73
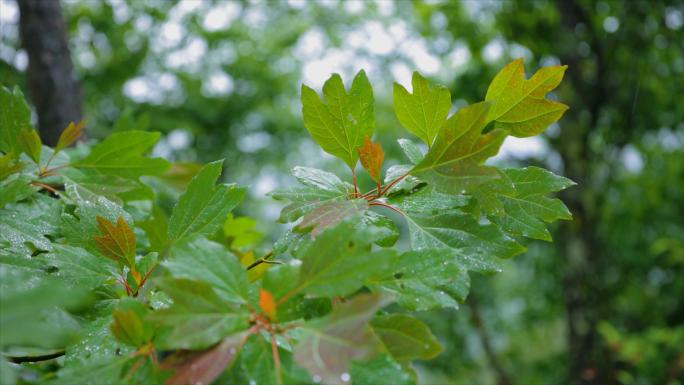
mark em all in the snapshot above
pixel 204 206
pixel 338 262
pixel 406 185
pixel 15 189
pixel 256 360
pixel 200 259
pixel 198 318
pixel 528 209
pixel 424 112
pixel 330 344
pixel 8 376
pixel 156 228
pixel 241 232
pixel 382 370
pixel 24 319
pixel 23 228
pixel 9 165
pixel 406 338
pixel 456 230
pixel 519 105
pixel 411 150
pixel 419 280
pixel 29 143
pixel 340 124
pixel 321 188
pixel 330 214
pixel 15 115
pixel 79 267
pixel 129 326
pixel 70 134
pixel 121 154
pixel 382 230
pixel 454 163
pixel 80 226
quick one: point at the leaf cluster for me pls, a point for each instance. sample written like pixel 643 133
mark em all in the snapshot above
pixel 130 292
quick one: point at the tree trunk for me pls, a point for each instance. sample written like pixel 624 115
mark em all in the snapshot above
pixel 53 89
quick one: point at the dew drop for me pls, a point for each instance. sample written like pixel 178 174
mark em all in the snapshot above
pixel 316 378
pixel 345 377
pixel 252 382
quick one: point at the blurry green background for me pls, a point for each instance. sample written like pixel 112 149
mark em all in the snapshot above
pixel 600 305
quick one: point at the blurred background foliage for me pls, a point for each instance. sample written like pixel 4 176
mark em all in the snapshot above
pixel 221 79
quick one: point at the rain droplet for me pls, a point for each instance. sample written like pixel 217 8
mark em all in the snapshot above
pixel 252 382
pixel 345 377
pixel 316 378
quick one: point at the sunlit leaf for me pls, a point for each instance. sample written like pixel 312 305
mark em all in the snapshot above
pixel 424 112
pixel 340 124
pixel 70 134
pixel 454 163
pixel 122 154
pixel 518 105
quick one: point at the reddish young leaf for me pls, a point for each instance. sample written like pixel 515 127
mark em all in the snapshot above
pixel 330 214
pixel 205 366
pixel 372 156
pixel 117 242
pixel 69 135
pixel 267 303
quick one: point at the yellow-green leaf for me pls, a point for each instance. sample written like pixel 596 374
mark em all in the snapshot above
pixel 519 105
pixel 69 135
pixel 424 112
pixel 29 143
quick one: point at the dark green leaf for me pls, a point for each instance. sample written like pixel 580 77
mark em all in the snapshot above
pixel 204 206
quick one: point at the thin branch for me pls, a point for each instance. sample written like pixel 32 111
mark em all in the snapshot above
pixel 261 260
pixel 43 357
pixel 276 358
pixel 380 204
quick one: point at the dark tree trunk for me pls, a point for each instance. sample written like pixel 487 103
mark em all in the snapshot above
pixel 52 86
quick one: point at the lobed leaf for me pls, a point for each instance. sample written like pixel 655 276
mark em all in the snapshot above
pixel 121 154
pixel 406 338
pixel 424 112
pixel 204 205
pixel 340 124
pixel 117 242
pixel 454 163
pixel 15 115
pixel 518 105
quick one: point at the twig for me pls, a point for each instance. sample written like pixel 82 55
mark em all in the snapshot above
pixel 380 204
pixel 261 260
pixel 43 357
